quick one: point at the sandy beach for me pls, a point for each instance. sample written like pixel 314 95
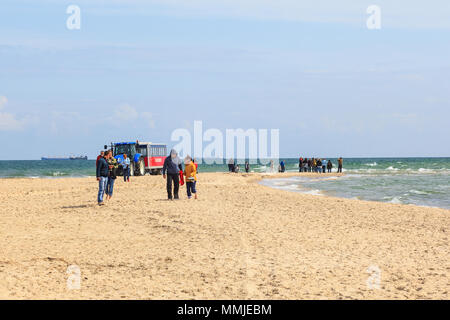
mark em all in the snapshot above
pixel 239 240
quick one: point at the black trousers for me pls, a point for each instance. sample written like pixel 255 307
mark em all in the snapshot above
pixel 339 169
pixel 176 185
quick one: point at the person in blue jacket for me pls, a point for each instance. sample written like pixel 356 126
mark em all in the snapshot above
pixel 172 166
pixel 282 167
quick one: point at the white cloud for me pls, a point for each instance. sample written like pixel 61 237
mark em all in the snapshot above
pixel 123 113
pixel 129 115
pixel 9 122
pixel 3 102
pixel 148 116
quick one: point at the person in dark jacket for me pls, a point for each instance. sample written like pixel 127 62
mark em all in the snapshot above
pixel 329 166
pixel 172 166
pixel 319 165
pixel 324 165
pixel 102 177
pixel 101 155
pixel 247 167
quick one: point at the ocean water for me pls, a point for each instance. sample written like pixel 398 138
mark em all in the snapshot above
pixel 419 181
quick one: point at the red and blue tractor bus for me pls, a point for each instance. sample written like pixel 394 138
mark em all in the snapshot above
pixel 144 156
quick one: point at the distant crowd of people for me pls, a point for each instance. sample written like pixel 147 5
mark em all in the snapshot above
pixel 318 165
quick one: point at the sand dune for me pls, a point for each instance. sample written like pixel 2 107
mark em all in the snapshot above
pixel 240 240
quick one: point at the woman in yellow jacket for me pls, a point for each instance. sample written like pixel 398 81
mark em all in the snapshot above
pixel 190 171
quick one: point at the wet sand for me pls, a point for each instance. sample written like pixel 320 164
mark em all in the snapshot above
pixel 239 240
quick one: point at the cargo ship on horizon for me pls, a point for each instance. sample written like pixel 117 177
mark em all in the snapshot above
pixel 65 158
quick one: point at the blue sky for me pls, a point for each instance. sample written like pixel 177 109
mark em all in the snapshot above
pixel 140 69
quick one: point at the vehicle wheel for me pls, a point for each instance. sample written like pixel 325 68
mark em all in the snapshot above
pixel 141 167
pixel 131 169
pixel 159 171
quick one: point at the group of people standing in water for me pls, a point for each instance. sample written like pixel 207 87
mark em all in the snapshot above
pixel 304 165
pixel 318 165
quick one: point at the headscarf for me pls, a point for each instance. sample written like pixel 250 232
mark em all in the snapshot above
pixel 174 157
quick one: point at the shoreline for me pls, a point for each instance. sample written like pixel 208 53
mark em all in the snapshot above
pixel 324 192
pixel 258 177
pixel 239 240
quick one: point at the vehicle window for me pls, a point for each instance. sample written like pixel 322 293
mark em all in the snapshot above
pixel 121 149
pixel 143 151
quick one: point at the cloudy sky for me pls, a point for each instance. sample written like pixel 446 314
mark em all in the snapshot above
pixel 141 69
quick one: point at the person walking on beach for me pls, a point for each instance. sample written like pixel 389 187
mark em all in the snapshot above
pixel 340 163
pixel 172 166
pixel 101 155
pixel 323 165
pixel 329 166
pixel 247 167
pixel 126 168
pixel 319 166
pixel 190 171
pixel 102 177
pixel 112 175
